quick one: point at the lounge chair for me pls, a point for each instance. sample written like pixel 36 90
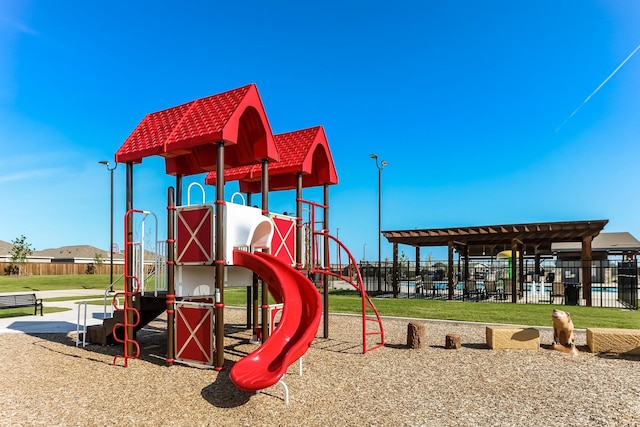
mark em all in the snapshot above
pixel 418 285
pixel 503 289
pixel 430 290
pixel 471 290
pixel 557 291
pixel 490 288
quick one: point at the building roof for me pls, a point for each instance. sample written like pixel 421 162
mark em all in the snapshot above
pixel 62 253
pixel 76 251
pixel 5 247
pixel 187 135
pixel 304 151
pixel 494 238
pixel 617 242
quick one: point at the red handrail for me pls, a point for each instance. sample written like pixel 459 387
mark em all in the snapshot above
pixel 358 284
pixel 353 277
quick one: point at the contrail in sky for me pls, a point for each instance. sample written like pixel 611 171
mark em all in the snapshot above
pixel 600 87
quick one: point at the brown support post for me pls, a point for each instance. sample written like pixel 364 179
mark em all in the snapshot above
pixel 586 269
pixel 299 229
pixel 174 198
pixel 394 280
pixel 417 261
pixel 537 268
pixel 255 290
pixel 131 333
pixel 178 195
pixel 251 295
pixel 265 285
pixel 521 268
pixel 450 271
pixel 325 225
pixel 514 288
pixel 171 288
pixel 465 266
pixel 249 306
pixel 220 261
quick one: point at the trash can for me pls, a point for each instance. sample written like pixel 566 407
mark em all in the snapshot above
pixel 571 293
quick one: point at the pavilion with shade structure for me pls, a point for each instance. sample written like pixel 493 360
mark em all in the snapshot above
pixel 508 239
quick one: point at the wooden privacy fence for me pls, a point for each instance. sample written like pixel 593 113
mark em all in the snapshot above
pixel 63 268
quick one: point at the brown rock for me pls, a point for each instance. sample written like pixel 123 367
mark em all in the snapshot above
pixel 452 341
pixel 416 335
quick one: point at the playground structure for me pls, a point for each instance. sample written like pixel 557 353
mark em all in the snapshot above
pixel 211 246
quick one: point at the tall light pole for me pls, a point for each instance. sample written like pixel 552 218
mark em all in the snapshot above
pixel 380 166
pixel 337 247
pixel 364 253
pixel 110 169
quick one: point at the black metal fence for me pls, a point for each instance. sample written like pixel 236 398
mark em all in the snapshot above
pixel 614 283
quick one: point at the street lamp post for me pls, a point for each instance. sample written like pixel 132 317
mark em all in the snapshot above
pixel 110 169
pixel 337 246
pixel 380 166
pixel 364 253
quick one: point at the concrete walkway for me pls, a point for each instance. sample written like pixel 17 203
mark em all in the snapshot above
pixel 56 323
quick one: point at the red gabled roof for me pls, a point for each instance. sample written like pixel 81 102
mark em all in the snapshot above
pixel 187 135
pixel 304 151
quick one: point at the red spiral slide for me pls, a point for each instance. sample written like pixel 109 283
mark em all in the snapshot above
pixel 297 328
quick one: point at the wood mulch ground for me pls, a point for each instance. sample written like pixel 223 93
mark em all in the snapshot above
pixel 47 380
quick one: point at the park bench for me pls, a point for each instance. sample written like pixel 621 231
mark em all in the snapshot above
pixel 21 301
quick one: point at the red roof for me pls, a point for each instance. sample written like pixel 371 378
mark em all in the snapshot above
pixel 304 151
pixel 187 135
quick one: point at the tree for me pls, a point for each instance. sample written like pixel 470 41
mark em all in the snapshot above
pixel 97 258
pixel 403 261
pixel 91 268
pixel 429 259
pixel 19 252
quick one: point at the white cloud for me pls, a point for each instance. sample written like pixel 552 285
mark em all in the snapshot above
pixel 26 174
pixel 16 26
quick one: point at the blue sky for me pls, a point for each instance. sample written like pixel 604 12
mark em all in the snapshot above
pixel 468 102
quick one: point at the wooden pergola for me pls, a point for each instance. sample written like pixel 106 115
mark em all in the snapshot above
pixel 531 238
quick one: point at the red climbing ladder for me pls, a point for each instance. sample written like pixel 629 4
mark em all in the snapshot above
pixel 372 326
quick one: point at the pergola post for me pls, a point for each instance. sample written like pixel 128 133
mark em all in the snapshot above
pixel 514 254
pixel 586 269
pixel 450 271
pixel 465 267
pixel 536 260
pixel 521 268
pixel 394 281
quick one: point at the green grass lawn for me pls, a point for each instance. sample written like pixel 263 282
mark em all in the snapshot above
pixel 52 283
pixel 518 314
pixel 349 302
pixel 17 312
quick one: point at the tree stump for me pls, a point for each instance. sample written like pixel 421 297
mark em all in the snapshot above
pixel 416 335
pixel 452 341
